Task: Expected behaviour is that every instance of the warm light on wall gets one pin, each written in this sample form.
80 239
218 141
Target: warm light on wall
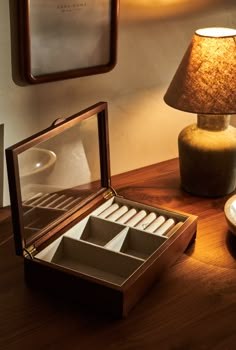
152 9
153 2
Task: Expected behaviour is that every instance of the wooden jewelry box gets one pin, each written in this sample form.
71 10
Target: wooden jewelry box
78 237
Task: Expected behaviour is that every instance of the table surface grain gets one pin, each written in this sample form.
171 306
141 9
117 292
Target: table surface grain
192 306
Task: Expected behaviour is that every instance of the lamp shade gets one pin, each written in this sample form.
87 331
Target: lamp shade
205 81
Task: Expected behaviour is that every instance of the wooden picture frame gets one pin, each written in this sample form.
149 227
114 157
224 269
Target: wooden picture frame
62 39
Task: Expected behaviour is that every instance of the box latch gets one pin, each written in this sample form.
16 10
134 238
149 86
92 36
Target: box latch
111 192
29 252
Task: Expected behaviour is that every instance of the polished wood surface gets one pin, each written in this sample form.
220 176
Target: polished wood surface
193 305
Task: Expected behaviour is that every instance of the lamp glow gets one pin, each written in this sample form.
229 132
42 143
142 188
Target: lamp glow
205 83
216 32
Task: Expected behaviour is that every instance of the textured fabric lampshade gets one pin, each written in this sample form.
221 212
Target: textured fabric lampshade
205 83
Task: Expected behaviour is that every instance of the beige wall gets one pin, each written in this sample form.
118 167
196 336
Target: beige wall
143 130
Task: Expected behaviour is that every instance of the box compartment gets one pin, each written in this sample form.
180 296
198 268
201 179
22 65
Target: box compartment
95 261
141 244
99 231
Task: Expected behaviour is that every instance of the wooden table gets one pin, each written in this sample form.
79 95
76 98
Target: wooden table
193 305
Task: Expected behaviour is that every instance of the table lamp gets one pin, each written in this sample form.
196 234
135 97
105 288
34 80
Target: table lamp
205 83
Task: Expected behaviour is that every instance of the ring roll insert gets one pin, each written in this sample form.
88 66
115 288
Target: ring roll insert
118 213
109 211
165 227
157 223
136 218
173 229
143 224
124 218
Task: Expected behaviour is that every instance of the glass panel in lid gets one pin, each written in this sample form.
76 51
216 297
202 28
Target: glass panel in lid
58 175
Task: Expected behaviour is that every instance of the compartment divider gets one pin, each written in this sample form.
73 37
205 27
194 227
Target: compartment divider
116 243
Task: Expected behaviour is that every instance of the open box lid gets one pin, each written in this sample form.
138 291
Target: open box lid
56 173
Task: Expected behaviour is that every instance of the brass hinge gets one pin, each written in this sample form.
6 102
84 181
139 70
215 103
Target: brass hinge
109 193
29 251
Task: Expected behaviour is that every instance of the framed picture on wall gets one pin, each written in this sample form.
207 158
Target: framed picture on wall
61 39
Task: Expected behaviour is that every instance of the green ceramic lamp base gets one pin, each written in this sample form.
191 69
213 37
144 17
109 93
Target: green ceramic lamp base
207 156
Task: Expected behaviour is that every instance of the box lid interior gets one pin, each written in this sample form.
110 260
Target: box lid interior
56 172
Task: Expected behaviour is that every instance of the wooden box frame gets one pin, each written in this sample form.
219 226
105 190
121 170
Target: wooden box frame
127 260
47 44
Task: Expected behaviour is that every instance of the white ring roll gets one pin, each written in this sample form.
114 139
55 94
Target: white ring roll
127 216
165 227
108 211
136 218
143 224
118 213
157 223
173 229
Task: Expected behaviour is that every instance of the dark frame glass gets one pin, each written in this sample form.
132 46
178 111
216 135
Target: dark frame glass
62 39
